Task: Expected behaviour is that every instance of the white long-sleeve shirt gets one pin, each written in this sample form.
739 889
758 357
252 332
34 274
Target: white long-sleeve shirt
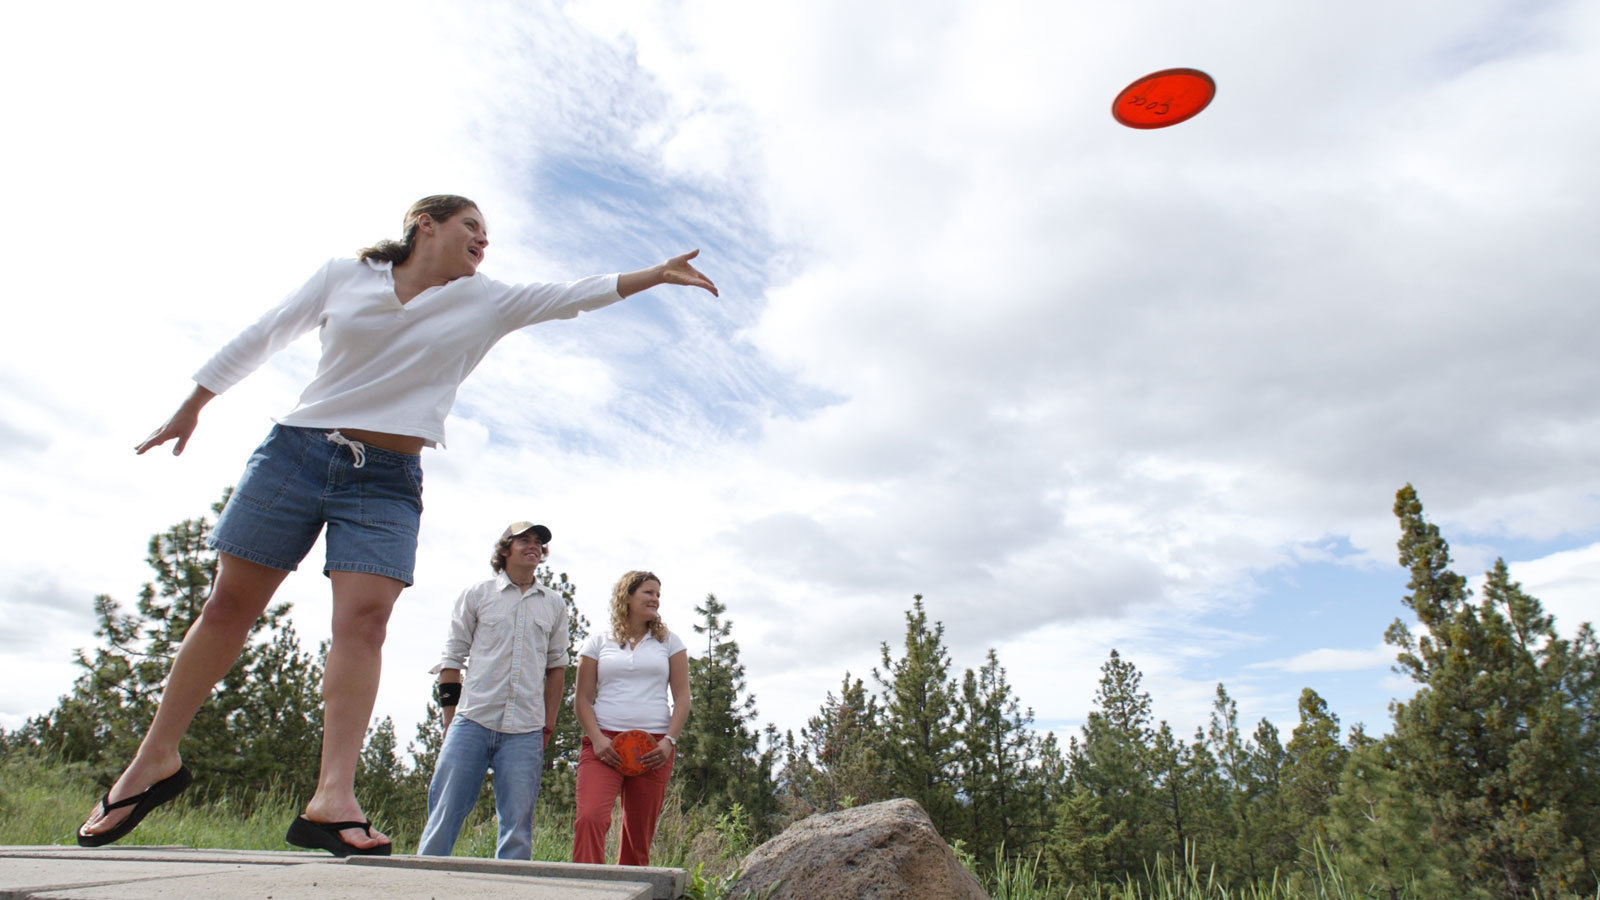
388 366
504 639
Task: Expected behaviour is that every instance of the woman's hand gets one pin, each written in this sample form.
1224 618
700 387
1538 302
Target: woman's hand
678 271
659 755
674 271
603 751
180 426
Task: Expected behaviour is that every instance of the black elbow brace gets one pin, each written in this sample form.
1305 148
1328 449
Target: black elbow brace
448 693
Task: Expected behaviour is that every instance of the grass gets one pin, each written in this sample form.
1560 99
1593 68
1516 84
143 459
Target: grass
43 802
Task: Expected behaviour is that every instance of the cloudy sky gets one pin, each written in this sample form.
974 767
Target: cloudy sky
1080 386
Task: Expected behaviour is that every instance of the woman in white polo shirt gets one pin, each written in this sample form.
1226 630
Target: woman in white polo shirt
401 327
624 677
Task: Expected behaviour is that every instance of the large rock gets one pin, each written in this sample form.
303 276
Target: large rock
884 851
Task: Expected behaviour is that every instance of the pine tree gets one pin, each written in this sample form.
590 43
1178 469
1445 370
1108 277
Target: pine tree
390 791
1269 813
559 789
720 762
1081 841
1114 764
996 761
1494 743
917 742
1176 781
1209 829
1314 760
1240 852
834 764
1257 842
1378 833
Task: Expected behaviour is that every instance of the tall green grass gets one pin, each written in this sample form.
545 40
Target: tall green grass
44 801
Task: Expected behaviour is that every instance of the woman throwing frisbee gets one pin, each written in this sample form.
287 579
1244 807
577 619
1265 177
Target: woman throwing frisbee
623 680
401 327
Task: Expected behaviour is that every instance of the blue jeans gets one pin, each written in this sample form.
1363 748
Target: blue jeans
469 750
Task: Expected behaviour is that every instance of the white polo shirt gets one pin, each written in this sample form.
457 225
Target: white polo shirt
632 683
390 366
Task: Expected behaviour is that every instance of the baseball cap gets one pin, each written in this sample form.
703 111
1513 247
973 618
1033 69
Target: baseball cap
516 529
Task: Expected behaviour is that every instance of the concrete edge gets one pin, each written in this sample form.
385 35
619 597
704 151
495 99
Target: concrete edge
176 853
664 883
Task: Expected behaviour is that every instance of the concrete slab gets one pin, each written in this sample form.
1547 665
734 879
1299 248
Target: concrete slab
38 875
665 883
65 872
343 882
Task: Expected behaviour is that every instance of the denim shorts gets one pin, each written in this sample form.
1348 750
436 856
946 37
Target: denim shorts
299 479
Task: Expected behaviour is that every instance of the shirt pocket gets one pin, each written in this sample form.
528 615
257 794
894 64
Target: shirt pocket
494 628
540 627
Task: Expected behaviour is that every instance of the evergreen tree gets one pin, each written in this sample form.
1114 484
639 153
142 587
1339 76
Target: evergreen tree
1378 834
1239 852
917 741
834 764
1209 823
390 791
996 760
1051 778
1257 843
720 762
1114 763
1494 743
559 789
1177 780
1081 841
1271 828
424 748
1314 760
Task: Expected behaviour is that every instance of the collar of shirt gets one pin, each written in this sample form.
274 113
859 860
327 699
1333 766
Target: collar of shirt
505 582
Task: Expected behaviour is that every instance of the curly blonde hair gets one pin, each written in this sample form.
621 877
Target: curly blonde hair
619 607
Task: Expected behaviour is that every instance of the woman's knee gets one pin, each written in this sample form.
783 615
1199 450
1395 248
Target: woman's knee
241 593
361 606
366 625
593 818
233 609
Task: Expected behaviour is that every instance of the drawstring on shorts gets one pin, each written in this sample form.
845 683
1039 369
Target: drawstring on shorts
358 450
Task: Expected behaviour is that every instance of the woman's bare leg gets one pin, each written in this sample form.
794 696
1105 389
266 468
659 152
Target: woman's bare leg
361 607
212 644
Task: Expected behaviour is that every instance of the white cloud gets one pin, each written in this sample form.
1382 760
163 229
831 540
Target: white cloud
1331 659
1567 584
1070 381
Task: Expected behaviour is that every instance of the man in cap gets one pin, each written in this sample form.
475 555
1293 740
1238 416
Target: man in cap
509 636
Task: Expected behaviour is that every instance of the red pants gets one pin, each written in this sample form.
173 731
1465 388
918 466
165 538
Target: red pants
642 796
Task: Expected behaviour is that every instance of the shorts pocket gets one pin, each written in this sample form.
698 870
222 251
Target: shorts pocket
271 470
392 497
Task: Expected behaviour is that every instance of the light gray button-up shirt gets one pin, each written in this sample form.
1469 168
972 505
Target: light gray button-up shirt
504 639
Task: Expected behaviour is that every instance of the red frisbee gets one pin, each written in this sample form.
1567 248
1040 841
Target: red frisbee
1164 98
631 746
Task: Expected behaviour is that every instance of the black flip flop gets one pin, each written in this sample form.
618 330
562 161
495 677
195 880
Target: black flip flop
325 836
142 803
